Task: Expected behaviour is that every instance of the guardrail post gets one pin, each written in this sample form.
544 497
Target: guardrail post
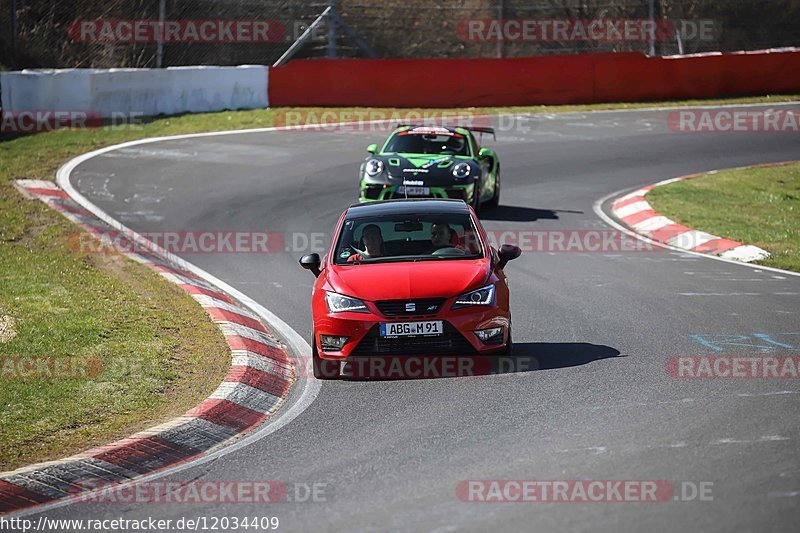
332 30
13 8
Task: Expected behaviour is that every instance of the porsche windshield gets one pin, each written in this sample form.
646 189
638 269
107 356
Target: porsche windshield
438 141
408 238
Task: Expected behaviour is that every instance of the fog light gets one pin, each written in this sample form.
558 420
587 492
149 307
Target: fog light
331 343
490 336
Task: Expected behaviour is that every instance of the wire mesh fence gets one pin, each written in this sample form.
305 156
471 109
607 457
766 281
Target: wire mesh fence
158 33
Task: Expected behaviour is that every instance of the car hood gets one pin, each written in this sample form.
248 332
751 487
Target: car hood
399 281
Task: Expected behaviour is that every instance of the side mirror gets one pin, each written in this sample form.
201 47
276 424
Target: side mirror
372 148
485 152
311 262
507 253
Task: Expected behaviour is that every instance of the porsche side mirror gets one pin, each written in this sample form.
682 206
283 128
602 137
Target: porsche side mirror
311 262
507 253
372 148
485 152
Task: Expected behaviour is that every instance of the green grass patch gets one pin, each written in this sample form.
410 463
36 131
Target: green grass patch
758 205
160 353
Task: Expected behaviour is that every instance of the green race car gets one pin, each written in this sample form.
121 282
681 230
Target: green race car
432 162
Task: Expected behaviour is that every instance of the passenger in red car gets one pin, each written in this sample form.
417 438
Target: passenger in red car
443 236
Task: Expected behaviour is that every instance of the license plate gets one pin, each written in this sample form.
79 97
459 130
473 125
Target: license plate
392 330
414 191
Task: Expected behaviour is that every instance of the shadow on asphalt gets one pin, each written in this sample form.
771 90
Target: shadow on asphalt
510 213
553 355
527 357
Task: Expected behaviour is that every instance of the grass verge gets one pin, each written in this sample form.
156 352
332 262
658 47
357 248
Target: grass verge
160 352
757 205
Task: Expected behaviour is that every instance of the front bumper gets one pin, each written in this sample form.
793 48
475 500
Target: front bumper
457 340
372 192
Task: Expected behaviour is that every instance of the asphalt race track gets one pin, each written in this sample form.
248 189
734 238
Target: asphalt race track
600 327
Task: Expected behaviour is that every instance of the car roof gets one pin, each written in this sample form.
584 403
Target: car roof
415 206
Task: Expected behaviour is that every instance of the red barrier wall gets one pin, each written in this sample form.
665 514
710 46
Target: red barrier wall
563 79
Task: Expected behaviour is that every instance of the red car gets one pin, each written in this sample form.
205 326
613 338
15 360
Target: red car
409 278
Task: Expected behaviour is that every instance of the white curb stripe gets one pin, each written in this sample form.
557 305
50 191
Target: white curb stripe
632 209
180 279
211 302
688 240
38 184
653 223
261 363
234 329
637 192
746 253
691 239
247 396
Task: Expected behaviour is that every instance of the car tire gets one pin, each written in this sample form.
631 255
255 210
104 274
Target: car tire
509 349
476 197
323 368
495 201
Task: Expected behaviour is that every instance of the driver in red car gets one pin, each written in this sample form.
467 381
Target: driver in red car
372 238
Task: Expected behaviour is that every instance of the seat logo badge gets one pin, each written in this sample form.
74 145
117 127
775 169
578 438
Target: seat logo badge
411 307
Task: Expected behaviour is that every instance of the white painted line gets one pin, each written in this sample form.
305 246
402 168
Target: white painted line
719 293
775 393
671 180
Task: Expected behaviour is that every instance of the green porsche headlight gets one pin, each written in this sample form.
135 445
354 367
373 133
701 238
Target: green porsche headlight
374 167
462 170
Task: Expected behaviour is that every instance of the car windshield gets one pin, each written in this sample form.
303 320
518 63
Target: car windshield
438 141
396 238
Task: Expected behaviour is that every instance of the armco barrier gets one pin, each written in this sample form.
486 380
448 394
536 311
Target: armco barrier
139 92
556 79
573 79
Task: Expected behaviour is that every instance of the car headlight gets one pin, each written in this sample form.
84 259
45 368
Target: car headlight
338 303
373 167
482 296
462 170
